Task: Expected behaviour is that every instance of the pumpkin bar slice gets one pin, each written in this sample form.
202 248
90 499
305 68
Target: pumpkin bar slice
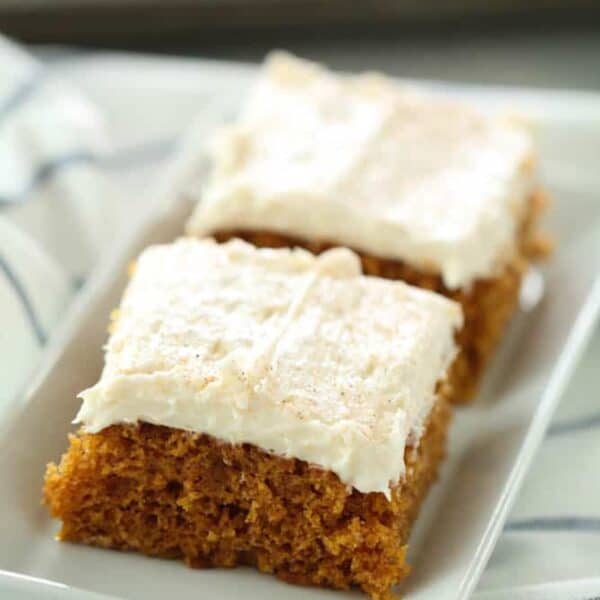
426 189
265 407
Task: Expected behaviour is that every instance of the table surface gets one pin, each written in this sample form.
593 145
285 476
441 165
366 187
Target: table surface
538 57
544 55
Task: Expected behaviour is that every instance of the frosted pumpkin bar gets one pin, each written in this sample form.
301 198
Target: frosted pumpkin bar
426 189
265 407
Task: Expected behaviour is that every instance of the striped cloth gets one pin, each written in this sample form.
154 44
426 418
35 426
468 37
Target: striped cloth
55 212
66 193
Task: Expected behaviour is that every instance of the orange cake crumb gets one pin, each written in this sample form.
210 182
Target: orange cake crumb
171 493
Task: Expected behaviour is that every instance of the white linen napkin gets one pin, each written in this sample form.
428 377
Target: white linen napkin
65 194
56 212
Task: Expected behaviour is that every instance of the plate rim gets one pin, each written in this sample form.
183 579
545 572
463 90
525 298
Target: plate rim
561 374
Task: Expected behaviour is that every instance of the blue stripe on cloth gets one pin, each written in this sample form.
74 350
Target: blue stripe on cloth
46 171
581 424
24 299
553 524
22 92
128 158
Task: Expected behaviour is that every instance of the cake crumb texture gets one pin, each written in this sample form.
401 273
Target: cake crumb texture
170 493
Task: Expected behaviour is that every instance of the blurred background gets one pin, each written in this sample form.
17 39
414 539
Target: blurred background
546 43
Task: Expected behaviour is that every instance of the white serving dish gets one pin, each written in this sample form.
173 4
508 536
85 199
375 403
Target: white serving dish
492 441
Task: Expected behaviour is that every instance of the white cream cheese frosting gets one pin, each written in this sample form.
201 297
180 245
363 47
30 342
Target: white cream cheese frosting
366 163
300 355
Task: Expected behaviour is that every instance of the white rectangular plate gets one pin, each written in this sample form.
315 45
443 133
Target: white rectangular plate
492 441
